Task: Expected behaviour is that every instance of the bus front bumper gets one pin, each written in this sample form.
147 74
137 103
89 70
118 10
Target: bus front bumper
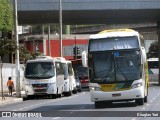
125 95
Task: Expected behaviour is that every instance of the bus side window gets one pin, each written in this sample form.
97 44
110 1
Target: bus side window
60 69
153 64
70 69
57 69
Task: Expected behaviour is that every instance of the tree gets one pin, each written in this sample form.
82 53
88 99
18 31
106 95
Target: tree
35 54
6 25
24 54
6 16
7 46
153 50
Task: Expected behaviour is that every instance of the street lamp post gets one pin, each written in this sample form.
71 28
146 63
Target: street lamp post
60 26
17 51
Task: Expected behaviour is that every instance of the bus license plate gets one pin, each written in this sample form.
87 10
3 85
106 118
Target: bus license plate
116 95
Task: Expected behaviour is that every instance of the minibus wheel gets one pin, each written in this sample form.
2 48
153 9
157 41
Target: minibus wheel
140 101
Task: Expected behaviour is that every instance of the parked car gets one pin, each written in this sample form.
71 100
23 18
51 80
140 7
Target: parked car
78 84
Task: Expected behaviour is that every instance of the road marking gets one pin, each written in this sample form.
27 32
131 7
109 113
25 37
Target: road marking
71 112
82 107
143 108
148 104
151 101
134 119
154 98
56 118
14 110
27 107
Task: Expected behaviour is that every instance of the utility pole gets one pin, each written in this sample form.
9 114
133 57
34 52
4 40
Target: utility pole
44 41
60 26
17 51
49 46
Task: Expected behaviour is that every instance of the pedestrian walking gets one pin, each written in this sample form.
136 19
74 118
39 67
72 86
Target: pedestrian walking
10 85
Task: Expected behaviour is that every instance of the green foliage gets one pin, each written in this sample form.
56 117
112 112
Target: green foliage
7 46
153 50
6 15
24 54
35 54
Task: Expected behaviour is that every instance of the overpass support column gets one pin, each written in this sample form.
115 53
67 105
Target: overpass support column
158 32
66 29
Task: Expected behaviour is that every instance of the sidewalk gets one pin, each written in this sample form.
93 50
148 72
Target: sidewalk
9 99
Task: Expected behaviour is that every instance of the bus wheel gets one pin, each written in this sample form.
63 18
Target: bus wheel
145 99
140 101
97 104
60 95
54 96
24 99
65 94
80 90
70 93
74 91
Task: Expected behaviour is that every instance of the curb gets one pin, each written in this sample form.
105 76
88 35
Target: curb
10 100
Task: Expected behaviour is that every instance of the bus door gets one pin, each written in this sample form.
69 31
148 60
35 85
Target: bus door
71 76
59 77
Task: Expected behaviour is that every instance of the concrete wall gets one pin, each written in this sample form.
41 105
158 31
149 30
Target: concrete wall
9 70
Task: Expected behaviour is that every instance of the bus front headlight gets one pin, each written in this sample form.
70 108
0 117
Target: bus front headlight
95 88
137 85
29 85
51 84
77 84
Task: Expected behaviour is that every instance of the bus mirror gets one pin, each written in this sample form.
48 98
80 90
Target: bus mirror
144 58
84 58
23 68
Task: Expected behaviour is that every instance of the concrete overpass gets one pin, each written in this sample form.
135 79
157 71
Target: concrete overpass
89 11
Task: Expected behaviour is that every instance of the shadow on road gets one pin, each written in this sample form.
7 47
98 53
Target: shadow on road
88 110
63 107
117 104
79 107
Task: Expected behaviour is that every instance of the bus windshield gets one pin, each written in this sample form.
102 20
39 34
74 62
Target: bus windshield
39 70
81 71
115 66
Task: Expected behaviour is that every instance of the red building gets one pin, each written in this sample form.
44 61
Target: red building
36 42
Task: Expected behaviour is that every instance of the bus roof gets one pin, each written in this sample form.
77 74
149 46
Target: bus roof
42 59
115 33
59 58
153 59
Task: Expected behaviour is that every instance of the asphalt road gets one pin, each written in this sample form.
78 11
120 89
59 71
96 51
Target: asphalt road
79 107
